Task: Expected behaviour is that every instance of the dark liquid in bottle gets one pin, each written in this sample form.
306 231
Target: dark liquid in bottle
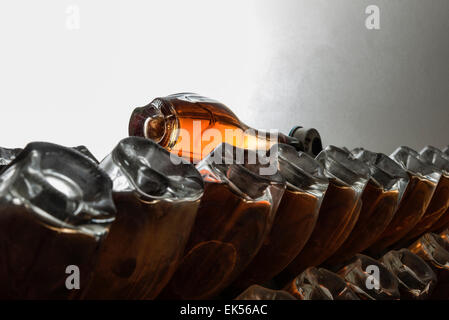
378 208
35 257
228 232
294 222
144 245
437 207
337 217
414 203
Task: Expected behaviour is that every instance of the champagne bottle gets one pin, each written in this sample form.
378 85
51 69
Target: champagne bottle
191 126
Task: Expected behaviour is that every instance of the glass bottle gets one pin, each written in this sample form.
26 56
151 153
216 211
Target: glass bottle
338 213
380 200
55 210
434 249
360 272
416 198
7 155
191 126
416 278
437 213
157 202
320 284
256 292
235 216
295 218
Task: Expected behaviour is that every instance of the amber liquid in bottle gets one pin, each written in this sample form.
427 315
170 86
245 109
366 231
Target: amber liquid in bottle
228 232
414 203
143 247
294 222
191 126
378 208
338 214
437 207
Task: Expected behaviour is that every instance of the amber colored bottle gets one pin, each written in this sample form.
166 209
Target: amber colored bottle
441 223
338 213
435 211
234 217
156 202
378 208
379 203
414 203
436 217
191 126
295 218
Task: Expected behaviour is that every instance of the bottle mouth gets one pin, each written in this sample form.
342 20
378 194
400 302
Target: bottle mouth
150 172
148 122
154 128
60 185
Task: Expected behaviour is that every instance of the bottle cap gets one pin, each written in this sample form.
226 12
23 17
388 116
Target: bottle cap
309 138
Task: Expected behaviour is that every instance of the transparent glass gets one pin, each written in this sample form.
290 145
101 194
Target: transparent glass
338 213
295 218
7 155
191 126
55 211
157 202
235 216
434 249
320 283
356 273
416 198
436 216
416 278
380 200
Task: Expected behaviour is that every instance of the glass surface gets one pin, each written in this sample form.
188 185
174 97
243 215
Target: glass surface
338 213
356 273
436 216
416 198
235 216
295 218
7 155
416 279
380 199
157 202
320 284
55 211
191 126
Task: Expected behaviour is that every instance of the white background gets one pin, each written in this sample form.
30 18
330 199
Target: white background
274 63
